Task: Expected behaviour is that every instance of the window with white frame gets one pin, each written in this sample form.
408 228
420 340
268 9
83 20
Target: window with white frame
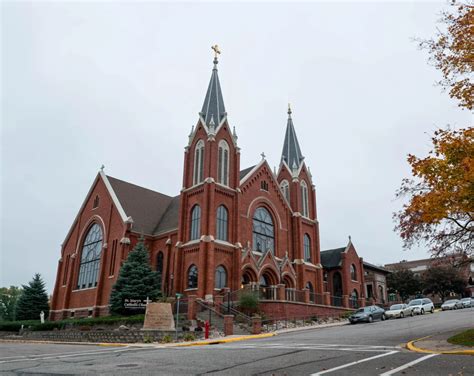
223 163
304 199
221 223
198 175
90 258
285 188
195 232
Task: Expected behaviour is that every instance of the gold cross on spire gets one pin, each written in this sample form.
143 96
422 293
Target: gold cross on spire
217 51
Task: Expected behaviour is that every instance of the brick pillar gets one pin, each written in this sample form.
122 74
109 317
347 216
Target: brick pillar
218 300
256 325
345 301
327 298
228 325
281 292
307 297
362 302
192 307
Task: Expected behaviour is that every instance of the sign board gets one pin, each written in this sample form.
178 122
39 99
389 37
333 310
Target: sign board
159 316
134 305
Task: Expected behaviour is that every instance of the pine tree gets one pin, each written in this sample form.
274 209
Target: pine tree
136 280
33 300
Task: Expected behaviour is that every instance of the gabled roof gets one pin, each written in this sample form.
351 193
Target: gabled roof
147 208
213 107
169 221
245 171
291 153
368 265
331 258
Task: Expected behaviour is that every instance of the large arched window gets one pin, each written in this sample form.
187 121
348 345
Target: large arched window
193 277
159 269
263 231
90 258
220 280
307 248
285 188
353 272
304 199
223 163
195 232
198 175
221 223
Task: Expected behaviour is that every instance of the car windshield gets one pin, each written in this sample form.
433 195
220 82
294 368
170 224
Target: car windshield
362 310
415 302
396 306
465 299
450 301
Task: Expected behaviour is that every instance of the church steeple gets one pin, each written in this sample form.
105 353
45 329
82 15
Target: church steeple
213 109
291 153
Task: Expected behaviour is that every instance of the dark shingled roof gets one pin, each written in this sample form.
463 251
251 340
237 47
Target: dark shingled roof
146 207
169 221
291 152
246 171
213 107
331 258
368 265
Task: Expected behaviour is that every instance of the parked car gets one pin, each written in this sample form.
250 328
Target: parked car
367 314
452 304
421 305
467 302
399 310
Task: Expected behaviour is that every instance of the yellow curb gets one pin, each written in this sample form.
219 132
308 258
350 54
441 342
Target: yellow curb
411 346
225 340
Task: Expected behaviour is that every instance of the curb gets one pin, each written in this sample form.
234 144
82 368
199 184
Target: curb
411 346
228 340
313 327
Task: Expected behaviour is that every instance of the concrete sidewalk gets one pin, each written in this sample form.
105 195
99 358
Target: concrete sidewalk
438 344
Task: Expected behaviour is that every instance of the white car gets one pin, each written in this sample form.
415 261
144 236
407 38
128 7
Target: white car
451 304
467 302
399 310
421 306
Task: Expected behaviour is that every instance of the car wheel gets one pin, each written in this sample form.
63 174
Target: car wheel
432 310
383 317
422 311
370 319
402 315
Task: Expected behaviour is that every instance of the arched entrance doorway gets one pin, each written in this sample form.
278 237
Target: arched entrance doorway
354 299
290 291
337 289
267 288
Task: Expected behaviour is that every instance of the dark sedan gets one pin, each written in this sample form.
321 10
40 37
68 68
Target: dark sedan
367 314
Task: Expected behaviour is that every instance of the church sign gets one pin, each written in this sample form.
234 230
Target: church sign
135 305
159 316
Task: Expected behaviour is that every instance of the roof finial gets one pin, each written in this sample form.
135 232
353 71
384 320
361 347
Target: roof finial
217 51
289 110
350 239
263 155
102 168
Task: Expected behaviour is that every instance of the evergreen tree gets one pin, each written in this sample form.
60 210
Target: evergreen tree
136 280
33 300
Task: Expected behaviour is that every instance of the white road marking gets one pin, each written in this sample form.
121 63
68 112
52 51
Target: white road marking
67 355
407 365
50 354
354 363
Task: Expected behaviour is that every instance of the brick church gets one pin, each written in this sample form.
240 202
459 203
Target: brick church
229 227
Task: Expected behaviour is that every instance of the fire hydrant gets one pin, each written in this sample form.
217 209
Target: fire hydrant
206 330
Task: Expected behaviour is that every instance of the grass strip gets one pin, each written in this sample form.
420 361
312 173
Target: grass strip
465 338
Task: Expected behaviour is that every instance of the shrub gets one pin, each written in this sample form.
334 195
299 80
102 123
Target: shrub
248 302
147 338
189 337
167 339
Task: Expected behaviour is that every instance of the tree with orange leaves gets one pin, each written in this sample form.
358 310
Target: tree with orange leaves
440 211
452 52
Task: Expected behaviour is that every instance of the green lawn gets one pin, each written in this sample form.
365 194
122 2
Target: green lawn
465 338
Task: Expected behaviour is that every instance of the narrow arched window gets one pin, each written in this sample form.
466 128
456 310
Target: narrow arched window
223 163
221 223
90 258
263 231
159 269
195 232
307 248
193 277
353 272
285 188
198 175
304 199
220 280
309 286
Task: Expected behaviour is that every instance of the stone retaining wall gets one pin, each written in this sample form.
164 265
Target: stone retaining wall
283 309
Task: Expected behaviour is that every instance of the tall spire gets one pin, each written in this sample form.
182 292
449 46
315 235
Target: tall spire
291 153
213 107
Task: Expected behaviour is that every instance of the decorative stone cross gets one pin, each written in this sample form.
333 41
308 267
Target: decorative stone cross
216 49
263 155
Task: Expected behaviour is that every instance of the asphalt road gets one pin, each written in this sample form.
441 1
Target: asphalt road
362 349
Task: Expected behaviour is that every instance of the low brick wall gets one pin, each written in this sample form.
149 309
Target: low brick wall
276 309
105 336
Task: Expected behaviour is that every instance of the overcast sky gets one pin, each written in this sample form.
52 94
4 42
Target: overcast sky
86 84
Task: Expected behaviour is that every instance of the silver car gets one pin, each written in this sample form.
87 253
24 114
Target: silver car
421 305
467 302
451 304
399 310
